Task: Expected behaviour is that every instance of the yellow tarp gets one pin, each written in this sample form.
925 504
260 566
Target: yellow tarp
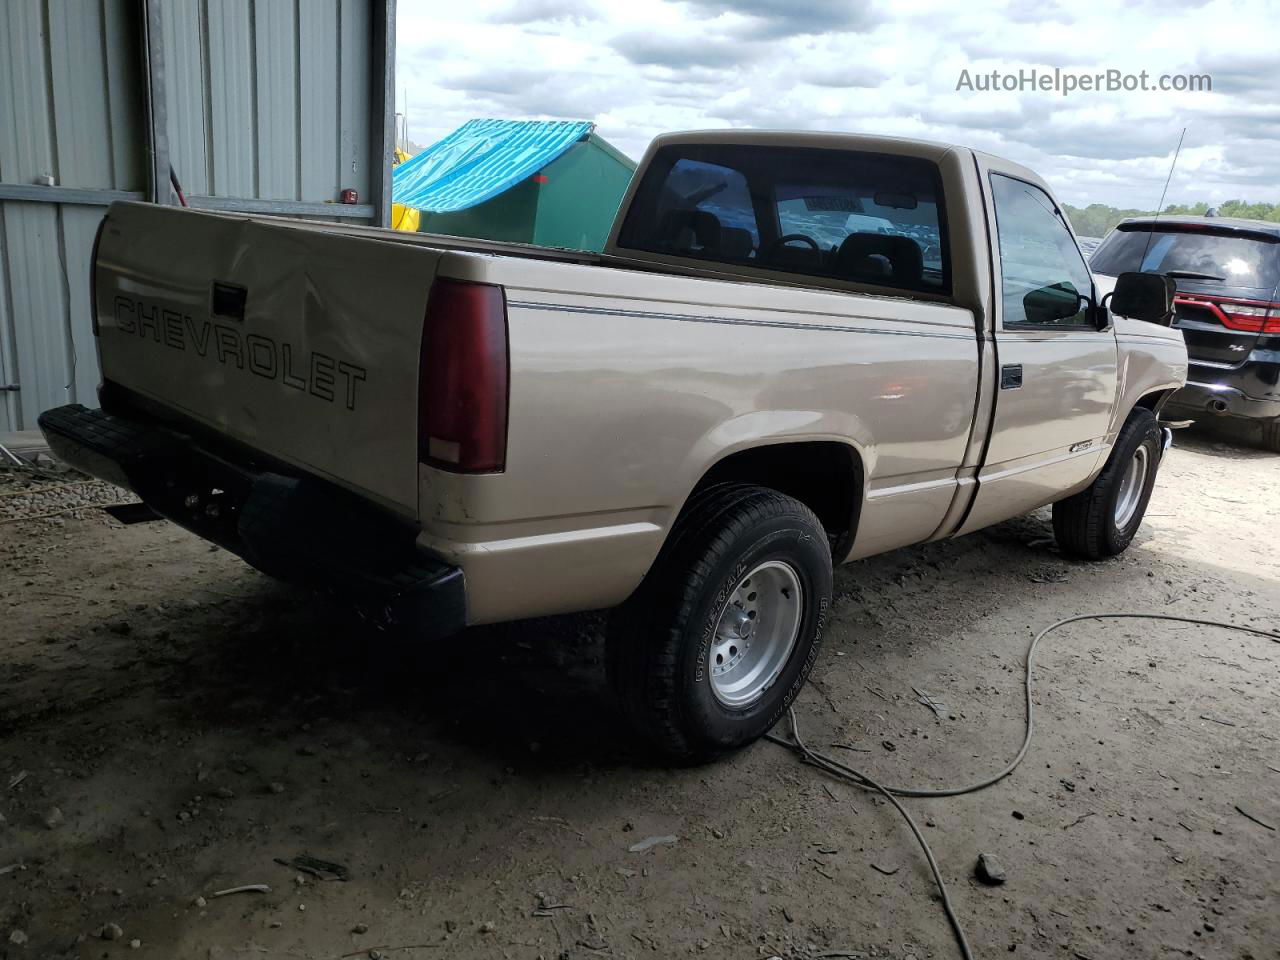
405 218
402 217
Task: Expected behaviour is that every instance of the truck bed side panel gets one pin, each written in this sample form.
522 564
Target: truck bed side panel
626 388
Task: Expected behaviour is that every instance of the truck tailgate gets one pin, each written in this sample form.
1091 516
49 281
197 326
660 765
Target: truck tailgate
302 343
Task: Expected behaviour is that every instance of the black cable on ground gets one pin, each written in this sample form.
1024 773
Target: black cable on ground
841 770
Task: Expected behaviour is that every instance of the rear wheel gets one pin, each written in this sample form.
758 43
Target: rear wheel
1102 519
1271 435
713 647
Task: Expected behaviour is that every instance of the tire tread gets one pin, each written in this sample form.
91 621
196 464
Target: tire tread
644 649
1082 523
1271 435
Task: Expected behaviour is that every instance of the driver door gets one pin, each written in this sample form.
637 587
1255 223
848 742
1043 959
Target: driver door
1056 372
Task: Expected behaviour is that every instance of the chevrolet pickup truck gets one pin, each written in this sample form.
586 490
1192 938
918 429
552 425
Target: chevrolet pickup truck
796 351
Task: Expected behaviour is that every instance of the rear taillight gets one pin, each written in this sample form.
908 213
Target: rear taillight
1248 316
1252 317
462 378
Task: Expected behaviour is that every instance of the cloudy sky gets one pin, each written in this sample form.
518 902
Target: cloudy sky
643 67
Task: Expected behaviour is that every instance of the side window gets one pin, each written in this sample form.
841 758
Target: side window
1045 280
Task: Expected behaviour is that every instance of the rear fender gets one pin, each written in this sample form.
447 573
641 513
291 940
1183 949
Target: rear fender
765 427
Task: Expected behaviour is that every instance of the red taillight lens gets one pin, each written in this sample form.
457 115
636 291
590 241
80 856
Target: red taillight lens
462 378
1241 316
1253 318
1247 316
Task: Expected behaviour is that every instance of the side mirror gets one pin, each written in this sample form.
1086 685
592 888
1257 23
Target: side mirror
1143 296
1052 304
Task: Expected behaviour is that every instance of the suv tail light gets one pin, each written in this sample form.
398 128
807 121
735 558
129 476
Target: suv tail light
462 378
1249 316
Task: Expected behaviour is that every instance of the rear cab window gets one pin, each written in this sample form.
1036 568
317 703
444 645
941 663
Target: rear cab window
846 215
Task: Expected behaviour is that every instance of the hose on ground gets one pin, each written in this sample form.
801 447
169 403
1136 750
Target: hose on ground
843 771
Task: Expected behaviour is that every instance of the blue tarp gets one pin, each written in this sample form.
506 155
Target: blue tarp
479 160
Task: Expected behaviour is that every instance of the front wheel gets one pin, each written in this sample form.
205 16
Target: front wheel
718 640
1101 520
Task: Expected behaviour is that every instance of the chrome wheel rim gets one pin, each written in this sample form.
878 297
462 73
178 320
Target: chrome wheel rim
1131 486
755 634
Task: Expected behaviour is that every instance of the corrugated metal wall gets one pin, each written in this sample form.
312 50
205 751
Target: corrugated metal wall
69 85
286 115
270 105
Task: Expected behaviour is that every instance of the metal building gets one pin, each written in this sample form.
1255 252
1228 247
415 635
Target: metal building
266 106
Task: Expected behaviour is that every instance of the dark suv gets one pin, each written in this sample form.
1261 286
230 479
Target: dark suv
1228 275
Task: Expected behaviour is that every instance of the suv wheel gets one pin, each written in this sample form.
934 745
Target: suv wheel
713 647
1101 520
1271 435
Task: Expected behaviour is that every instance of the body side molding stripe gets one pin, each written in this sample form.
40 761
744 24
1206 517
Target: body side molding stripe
729 321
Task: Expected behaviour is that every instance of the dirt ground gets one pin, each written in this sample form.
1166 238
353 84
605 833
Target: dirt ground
172 723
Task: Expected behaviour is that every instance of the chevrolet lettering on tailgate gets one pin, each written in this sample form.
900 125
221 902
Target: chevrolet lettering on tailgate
313 372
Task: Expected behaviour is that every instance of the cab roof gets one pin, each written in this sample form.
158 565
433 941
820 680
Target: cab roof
870 143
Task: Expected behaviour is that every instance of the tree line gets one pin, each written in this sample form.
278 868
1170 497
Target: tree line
1097 218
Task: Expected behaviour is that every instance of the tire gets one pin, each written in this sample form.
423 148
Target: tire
1271 435
1101 520
663 640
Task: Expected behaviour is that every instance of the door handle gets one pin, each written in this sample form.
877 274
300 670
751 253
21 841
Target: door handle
1011 376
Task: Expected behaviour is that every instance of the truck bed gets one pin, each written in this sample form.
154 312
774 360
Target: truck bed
528 251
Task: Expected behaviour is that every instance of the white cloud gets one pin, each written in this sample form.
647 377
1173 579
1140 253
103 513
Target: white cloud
649 66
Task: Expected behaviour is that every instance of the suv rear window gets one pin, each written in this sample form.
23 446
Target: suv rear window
1196 254
864 217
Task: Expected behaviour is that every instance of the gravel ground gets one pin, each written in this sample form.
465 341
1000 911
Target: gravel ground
173 724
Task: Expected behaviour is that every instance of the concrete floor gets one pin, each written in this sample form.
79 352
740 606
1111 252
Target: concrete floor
172 722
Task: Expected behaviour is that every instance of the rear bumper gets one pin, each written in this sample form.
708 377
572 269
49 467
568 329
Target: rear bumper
297 528
1222 400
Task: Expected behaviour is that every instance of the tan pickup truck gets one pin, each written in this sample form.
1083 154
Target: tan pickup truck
797 350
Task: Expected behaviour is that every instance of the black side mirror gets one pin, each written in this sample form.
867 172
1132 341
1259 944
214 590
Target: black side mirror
1143 296
1052 304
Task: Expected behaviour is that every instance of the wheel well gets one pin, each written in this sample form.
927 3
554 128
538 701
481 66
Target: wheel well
1154 401
824 475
